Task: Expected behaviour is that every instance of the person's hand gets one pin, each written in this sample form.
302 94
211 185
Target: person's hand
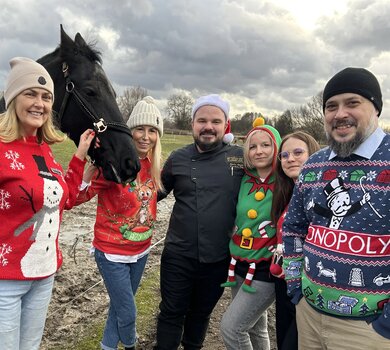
84 144
366 198
89 172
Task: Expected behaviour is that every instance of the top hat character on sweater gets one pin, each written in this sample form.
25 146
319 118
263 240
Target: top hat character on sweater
254 238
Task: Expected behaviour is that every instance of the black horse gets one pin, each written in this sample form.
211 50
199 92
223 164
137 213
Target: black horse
84 98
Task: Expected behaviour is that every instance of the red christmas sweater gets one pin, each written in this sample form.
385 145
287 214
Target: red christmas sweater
276 267
33 194
125 215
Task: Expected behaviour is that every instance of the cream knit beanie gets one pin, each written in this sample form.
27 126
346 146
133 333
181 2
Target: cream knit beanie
26 74
145 112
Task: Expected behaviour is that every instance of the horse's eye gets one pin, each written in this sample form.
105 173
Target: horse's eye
90 92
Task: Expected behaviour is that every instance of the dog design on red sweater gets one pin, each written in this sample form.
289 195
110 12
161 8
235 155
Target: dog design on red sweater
144 193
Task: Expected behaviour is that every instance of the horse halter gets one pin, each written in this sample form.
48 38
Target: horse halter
99 124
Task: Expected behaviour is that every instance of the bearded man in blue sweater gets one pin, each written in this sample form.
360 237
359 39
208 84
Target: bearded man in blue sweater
336 232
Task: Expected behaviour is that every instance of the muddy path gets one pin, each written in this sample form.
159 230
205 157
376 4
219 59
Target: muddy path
79 297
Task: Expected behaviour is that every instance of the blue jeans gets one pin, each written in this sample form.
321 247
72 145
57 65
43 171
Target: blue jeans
244 323
23 309
121 281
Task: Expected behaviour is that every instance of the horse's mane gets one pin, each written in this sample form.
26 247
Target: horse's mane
89 51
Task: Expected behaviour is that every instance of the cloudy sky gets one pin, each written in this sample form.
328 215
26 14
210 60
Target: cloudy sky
263 56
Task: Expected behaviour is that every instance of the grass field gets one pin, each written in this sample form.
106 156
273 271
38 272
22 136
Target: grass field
147 300
64 151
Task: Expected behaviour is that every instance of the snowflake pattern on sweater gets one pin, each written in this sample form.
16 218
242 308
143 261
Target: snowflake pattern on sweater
336 236
33 194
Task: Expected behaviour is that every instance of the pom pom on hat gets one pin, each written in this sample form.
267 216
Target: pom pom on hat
146 112
357 81
26 74
211 100
228 137
259 124
259 121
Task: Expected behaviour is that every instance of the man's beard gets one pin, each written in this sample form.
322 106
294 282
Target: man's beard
206 146
345 149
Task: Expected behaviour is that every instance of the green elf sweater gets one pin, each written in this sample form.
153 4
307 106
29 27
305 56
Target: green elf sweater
254 238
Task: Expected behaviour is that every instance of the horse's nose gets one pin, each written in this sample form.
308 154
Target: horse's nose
130 168
132 164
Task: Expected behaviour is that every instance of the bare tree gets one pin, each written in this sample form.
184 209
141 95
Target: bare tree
284 123
129 99
310 118
243 124
179 107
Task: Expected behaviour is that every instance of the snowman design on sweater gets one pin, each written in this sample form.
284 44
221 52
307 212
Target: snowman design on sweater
40 259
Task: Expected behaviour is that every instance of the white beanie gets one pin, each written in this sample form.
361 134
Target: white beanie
211 100
145 112
26 74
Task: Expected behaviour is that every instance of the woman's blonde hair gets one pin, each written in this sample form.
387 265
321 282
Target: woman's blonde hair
10 127
155 160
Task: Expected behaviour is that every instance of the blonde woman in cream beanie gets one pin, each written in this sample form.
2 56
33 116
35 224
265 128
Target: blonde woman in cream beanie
144 120
34 191
124 224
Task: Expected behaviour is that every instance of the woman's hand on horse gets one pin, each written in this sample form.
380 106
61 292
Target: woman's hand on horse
89 172
85 141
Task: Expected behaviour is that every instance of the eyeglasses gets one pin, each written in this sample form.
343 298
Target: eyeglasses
297 153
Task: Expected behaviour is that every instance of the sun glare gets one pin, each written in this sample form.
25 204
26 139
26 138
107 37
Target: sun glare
307 12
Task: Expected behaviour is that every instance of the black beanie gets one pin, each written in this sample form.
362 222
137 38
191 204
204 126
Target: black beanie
357 81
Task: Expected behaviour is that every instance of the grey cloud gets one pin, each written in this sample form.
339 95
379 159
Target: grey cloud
246 49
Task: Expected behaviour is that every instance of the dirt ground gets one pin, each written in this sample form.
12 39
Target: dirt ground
79 297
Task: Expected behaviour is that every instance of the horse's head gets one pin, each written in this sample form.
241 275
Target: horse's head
84 98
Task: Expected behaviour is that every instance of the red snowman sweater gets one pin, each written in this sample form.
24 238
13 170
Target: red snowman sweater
125 215
33 194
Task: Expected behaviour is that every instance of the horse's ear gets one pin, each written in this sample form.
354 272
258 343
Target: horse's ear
66 41
2 105
80 42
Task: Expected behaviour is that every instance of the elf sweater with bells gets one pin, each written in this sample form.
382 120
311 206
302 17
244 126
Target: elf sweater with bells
254 238
125 215
254 241
33 194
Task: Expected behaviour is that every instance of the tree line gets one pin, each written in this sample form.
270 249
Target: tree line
307 117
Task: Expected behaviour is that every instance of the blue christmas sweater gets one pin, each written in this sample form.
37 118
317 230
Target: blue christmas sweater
336 234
